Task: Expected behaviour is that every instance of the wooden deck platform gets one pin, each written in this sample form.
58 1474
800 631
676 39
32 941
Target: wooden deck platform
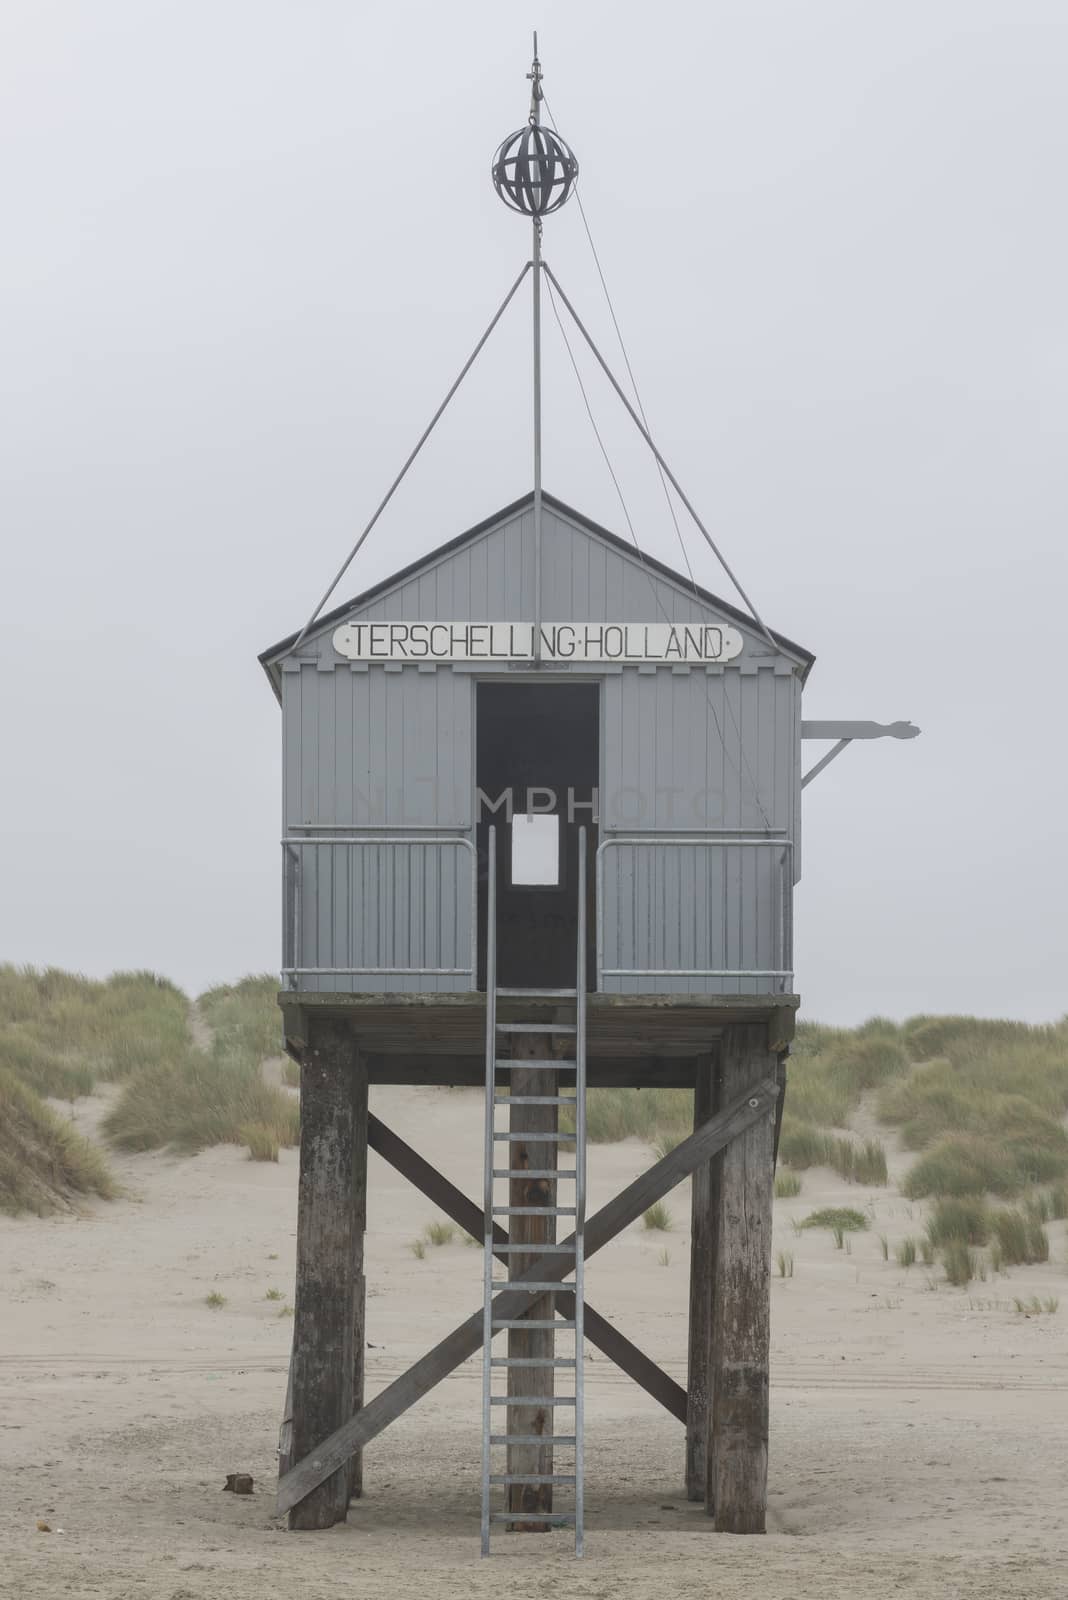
632 1040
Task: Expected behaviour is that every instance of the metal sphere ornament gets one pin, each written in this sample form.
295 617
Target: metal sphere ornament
534 171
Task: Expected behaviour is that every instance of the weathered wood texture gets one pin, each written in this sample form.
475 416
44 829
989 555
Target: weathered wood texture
462 1342
323 1360
359 1285
702 1255
644 1028
535 1344
737 1488
599 1331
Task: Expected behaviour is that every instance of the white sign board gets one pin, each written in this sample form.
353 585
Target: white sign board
676 643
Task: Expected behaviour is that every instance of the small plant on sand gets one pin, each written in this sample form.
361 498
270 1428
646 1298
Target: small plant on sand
961 1264
215 1300
1035 1307
286 1311
262 1141
664 1258
906 1253
841 1219
785 1263
439 1233
418 1249
884 1246
273 1294
787 1184
927 1252
657 1219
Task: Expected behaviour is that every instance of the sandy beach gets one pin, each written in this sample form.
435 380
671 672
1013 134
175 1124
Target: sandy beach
919 1432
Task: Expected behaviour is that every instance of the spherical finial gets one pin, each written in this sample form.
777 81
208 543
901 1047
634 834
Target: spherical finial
534 171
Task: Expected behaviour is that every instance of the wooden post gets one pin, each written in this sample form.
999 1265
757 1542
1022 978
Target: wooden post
323 1362
702 1257
359 1228
737 1490
538 1343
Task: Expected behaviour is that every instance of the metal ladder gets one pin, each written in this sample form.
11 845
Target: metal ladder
570 1252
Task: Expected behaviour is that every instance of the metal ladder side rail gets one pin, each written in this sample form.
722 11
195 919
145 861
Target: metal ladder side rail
580 1192
487 1186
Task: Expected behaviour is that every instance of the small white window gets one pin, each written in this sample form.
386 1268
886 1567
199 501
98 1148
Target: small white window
535 849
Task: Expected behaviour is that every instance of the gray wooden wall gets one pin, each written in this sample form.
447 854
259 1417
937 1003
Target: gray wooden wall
385 752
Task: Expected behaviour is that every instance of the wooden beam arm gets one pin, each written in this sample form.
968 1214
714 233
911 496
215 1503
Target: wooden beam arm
627 1206
469 1216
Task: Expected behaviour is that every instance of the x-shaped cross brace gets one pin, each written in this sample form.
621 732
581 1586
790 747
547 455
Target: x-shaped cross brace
514 1300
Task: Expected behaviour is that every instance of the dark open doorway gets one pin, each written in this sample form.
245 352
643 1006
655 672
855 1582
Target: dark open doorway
538 742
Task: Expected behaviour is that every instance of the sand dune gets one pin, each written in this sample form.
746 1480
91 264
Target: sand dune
919 1435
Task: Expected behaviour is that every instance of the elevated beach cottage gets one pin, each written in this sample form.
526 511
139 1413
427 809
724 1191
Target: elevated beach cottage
541 830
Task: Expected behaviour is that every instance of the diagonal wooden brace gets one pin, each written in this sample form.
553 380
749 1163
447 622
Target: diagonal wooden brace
455 1204
627 1206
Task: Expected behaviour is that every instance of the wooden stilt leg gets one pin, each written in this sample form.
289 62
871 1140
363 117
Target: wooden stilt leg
323 1317
741 1304
702 1253
537 1343
359 1225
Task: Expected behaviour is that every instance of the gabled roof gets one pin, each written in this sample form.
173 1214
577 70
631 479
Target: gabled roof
270 657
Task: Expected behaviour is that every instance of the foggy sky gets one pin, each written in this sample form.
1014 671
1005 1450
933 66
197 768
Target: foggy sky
247 246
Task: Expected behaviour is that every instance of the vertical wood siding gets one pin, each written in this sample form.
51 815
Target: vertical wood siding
684 751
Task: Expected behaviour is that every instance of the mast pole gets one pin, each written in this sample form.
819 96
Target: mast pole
535 120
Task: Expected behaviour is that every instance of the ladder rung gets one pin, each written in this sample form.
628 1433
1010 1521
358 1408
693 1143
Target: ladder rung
508 1062
534 1211
532 1361
532 1250
532 1477
527 1322
566 1173
539 994
534 1100
532 1438
537 1138
536 1027
558 1519
537 1288
532 1399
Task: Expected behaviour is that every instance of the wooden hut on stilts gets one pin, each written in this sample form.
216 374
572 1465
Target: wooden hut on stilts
541 832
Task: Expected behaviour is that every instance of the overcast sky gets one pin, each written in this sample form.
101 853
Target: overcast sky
247 247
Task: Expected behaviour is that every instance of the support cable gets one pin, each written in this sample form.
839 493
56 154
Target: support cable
626 361
664 484
647 436
428 430
748 774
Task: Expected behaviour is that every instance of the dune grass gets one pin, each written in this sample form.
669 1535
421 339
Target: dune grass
200 1100
957 1220
44 1162
845 1219
660 1117
1022 1239
787 1184
245 1017
984 1105
657 1219
803 1145
962 1264
439 1233
196 1098
61 1033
